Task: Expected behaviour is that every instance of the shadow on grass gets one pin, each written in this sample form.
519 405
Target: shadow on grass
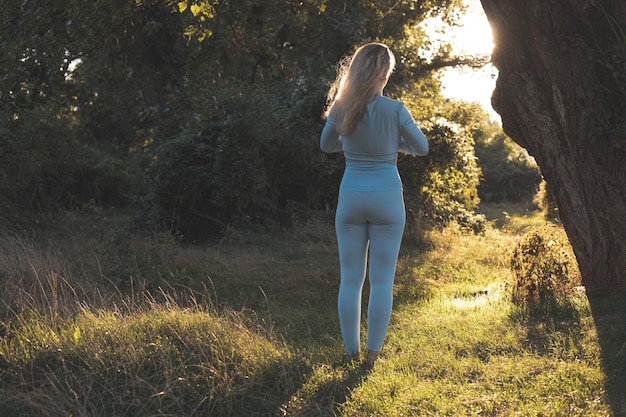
328 386
545 320
325 390
609 314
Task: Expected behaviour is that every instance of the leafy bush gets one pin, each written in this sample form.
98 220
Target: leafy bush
508 172
255 158
43 167
543 266
198 187
545 201
442 186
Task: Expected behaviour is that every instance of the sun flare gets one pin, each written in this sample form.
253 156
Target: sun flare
472 37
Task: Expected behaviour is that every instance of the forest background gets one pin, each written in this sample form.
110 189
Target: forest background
166 221
205 118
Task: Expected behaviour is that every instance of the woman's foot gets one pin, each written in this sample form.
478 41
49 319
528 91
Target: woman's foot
371 357
354 357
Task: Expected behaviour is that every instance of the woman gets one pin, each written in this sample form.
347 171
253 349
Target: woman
370 129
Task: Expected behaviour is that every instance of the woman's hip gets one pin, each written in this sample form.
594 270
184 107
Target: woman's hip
386 179
374 207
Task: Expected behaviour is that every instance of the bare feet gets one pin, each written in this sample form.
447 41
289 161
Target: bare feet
371 357
355 357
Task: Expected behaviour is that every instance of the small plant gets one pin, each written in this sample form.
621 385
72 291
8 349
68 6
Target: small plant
543 268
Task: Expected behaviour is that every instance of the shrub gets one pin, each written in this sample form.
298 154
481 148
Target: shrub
508 172
191 194
249 163
543 266
254 159
44 167
442 186
545 201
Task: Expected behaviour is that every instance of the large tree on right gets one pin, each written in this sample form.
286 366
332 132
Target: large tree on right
561 93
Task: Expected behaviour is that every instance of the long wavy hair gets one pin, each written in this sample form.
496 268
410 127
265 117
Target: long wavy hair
359 78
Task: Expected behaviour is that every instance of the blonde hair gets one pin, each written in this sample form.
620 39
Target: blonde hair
359 79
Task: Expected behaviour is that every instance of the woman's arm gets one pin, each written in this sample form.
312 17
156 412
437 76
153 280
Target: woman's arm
413 140
330 141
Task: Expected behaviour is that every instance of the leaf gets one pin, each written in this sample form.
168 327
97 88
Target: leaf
207 33
189 31
195 9
182 6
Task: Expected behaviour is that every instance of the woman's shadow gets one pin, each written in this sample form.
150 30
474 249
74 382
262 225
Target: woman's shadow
326 389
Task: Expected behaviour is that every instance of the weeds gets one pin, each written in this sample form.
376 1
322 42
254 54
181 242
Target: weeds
544 268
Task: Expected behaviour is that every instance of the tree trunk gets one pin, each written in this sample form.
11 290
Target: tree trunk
561 93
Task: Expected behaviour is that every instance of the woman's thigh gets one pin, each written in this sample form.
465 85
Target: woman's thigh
385 231
352 235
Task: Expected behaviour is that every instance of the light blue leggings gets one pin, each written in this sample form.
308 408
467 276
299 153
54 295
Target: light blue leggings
368 217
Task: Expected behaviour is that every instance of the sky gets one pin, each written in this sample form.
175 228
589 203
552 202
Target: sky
472 38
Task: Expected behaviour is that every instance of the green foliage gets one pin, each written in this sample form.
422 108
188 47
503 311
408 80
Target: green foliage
508 172
442 187
544 268
201 184
253 166
546 202
244 170
111 67
42 167
76 98
227 127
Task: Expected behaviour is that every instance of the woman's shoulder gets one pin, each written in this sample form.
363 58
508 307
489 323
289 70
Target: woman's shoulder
387 104
387 101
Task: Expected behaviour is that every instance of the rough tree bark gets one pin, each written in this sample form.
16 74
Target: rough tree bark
561 93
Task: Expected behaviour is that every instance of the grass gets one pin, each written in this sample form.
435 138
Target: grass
96 321
170 361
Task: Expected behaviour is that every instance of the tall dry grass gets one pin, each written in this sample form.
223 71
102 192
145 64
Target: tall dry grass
107 323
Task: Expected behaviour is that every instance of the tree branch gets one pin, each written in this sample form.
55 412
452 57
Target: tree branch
472 61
